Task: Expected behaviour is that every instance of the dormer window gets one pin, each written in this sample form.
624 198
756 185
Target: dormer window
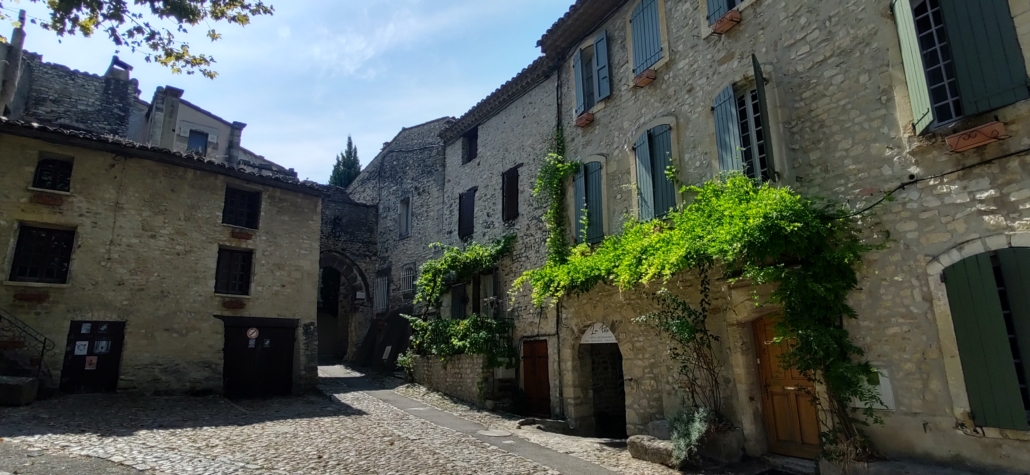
197 142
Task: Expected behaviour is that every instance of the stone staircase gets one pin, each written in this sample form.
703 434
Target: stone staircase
23 352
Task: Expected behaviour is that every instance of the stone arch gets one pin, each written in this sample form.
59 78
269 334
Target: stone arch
602 381
354 316
946 328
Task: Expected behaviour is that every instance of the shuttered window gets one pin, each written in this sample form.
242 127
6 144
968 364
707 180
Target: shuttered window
591 74
656 193
961 58
602 75
459 299
718 8
382 295
510 194
647 36
988 295
466 213
742 132
53 174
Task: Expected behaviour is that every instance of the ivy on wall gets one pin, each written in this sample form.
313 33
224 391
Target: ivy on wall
457 265
550 188
476 335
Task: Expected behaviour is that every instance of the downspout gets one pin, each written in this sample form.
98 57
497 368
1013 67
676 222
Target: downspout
13 70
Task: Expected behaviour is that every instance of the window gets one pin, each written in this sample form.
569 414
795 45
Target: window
408 275
466 213
53 174
489 296
961 58
382 295
647 36
232 276
589 209
989 295
656 193
459 300
590 68
510 194
42 255
404 223
197 142
718 8
470 145
242 208
742 132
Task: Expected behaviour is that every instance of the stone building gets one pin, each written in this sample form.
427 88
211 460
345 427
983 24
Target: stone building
841 100
155 271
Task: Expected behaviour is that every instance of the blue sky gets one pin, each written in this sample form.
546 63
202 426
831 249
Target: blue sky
321 69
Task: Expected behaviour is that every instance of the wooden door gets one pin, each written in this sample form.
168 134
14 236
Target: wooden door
535 379
92 357
791 419
258 367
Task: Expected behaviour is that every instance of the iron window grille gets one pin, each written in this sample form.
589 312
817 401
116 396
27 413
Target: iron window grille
753 137
53 174
232 276
42 255
382 295
408 279
242 208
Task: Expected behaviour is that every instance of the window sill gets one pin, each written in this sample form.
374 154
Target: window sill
994 433
55 192
707 30
38 285
241 228
231 296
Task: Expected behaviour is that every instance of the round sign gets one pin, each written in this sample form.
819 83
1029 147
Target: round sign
252 333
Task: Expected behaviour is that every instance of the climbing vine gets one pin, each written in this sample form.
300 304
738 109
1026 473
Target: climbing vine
763 234
457 265
476 335
550 189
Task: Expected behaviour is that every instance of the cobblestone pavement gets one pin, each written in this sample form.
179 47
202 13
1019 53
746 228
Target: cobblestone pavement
16 459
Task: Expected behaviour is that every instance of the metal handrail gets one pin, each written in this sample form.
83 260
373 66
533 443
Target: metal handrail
18 327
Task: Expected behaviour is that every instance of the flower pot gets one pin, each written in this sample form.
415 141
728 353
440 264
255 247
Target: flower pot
645 78
729 20
976 137
584 119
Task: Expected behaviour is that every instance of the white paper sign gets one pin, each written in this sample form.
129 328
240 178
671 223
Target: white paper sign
598 333
81 348
386 354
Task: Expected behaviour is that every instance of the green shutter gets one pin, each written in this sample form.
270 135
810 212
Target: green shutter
645 181
983 345
727 131
661 157
1015 269
716 9
594 203
915 74
579 203
647 36
988 61
577 68
763 107
602 76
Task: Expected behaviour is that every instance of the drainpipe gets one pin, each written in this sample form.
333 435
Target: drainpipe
13 69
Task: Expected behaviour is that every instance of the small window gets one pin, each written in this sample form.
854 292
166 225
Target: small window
590 68
53 174
510 194
382 295
742 130
459 302
470 143
718 8
197 142
647 36
752 137
42 255
589 208
242 208
466 214
232 276
408 279
656 193
404 218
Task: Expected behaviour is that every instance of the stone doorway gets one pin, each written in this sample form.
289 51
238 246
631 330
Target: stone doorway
333 318
608 387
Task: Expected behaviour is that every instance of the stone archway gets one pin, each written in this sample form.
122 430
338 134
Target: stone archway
352 315
600 360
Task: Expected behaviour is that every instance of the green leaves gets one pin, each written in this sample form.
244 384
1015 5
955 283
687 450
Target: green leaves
458 265
347 166
475 335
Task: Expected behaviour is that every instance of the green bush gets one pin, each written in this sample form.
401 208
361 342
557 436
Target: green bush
689 427
475 335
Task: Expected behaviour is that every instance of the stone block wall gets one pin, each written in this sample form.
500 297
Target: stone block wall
459 376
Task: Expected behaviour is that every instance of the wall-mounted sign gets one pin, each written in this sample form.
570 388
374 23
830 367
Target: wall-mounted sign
597 334
252 343
81 348
252 333
87 327
101 347
91 363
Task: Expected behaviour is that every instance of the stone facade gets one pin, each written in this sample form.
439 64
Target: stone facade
148 229
461 376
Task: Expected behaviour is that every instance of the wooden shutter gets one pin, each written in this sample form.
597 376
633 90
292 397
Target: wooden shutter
763 107
577 69
594 203
983 345
716 9
727 131
915 73
988 60
661 156
1015 269
579 204
647 36
466 213
602 76
645 181
510 194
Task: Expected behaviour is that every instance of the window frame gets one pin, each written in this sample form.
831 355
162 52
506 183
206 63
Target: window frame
467 225
663 40
409 273
754 123
509 215
674 160
381 298
53 159
18 256
224 282
229 219
189 140
404 216
470 145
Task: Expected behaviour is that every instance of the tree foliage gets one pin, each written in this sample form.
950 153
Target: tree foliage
457 265
347 166
150 26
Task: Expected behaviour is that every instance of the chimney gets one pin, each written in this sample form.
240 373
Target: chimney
118 69
235 139
9 83
172 95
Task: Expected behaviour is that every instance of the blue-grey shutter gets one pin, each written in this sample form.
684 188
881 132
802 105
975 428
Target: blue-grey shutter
647 36
763 107
716 9
1015 269
602 77
661 156
595 205
577 68
988 60
983 345
645 181
579 203
727 131
912 58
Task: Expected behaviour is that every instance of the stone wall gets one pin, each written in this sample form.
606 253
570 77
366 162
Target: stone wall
459 376
146 245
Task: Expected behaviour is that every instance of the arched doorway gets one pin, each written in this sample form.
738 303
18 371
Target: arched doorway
344 312
599 351
332 332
